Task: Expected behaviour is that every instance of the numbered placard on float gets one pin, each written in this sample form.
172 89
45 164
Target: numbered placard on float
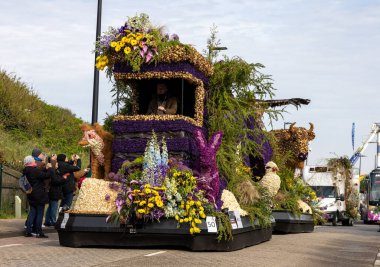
238 219
211 224
66 217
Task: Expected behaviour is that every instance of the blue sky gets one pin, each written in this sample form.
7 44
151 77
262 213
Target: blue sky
327 51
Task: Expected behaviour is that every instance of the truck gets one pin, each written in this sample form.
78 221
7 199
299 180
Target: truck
330 191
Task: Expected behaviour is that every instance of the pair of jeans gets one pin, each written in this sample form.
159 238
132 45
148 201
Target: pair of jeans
35 216
67 200
51 213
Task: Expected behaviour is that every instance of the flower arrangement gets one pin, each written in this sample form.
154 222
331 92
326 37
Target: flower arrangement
137 42
154 186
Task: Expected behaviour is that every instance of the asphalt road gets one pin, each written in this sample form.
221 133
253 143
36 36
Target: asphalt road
326 246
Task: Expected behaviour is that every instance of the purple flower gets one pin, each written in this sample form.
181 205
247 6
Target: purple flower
107 197
119 204
111 175
174 37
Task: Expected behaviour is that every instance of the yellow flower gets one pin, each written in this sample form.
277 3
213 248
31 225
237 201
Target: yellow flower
150 205
157 198
181 221
198 221
139 35
147 185
186 220
117 48
190 218
197 230
159 204
187 207
199 203
98 58
142 203
191 231
177 217
201 208
142 211
133 42
148 191
113 44
191 203
193 224
124 39
202 215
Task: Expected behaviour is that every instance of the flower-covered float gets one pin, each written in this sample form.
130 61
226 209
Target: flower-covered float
294 210
180 179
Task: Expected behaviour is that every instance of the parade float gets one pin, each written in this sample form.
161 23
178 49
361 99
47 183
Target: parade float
188 178
293 208
182 179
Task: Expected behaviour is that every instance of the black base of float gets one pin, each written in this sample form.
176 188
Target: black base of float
89 230
287 222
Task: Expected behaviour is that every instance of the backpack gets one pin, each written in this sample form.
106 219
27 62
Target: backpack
25 185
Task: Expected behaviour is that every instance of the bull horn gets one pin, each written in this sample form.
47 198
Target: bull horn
311 129
291 127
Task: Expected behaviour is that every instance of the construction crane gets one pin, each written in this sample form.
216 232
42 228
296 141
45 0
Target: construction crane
375 130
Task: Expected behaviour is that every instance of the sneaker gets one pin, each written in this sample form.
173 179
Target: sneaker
34 234
28 235
42 236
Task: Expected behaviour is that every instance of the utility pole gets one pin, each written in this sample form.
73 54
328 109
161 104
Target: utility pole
95 94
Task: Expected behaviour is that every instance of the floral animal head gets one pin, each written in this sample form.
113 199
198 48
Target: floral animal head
294 142
93 140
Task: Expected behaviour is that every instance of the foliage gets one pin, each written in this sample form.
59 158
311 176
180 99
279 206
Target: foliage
259 209
292 189
342 166
135 43
234 87
224 226
29 122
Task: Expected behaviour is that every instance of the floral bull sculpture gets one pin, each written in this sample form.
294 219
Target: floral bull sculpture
293 144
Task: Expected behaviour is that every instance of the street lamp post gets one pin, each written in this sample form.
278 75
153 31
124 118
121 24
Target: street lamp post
214 48
95 94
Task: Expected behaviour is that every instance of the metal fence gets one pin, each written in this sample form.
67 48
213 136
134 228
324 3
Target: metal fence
9 188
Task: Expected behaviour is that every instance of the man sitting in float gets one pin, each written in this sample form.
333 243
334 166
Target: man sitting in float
162 103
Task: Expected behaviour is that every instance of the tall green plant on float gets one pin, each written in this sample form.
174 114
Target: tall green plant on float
343 167
234 88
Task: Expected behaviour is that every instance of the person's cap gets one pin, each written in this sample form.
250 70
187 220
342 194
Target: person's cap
61 157
36 152
28 160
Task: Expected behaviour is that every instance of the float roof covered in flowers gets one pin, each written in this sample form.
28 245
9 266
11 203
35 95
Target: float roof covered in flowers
137 47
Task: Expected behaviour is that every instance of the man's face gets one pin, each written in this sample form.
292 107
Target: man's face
41 156
161 89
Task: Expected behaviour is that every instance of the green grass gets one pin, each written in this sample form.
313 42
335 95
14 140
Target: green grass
27 122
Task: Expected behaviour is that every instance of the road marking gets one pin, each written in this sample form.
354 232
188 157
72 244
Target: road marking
10 245
153 254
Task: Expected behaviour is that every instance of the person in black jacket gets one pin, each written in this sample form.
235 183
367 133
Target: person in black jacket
55 194
68 188
39 196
